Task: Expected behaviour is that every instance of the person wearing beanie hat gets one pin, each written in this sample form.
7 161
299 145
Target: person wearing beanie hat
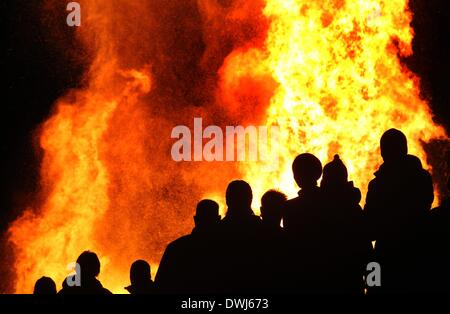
345 225
334 172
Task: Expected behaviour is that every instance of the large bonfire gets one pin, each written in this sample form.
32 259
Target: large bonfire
327 73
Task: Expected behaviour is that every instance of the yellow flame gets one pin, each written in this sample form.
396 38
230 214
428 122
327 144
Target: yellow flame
340 85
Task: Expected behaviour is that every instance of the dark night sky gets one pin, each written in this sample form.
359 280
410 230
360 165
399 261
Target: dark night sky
36 72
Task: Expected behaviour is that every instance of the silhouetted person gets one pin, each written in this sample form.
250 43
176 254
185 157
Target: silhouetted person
307 170
189 264
140 278
241 247
89 268
272 204
439 244
304 220
272 240
45 286
346 227
397 204
239 198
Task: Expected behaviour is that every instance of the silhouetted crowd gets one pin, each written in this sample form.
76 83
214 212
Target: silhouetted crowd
319 242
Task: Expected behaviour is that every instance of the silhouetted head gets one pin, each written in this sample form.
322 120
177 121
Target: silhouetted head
272 203
393 145
239 197
45 285
206 213
307 170
334 173
140 273
89 265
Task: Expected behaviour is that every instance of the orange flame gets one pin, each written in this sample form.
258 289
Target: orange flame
97 168
327 72
340 85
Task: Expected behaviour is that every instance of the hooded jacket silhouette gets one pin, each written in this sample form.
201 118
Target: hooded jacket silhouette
397 205
346 226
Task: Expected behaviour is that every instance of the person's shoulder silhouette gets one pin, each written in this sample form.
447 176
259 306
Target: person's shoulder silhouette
44 286
140 278
441 214
188 264
87 270
439 241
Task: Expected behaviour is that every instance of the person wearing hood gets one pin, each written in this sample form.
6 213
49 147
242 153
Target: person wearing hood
398 201
346 226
